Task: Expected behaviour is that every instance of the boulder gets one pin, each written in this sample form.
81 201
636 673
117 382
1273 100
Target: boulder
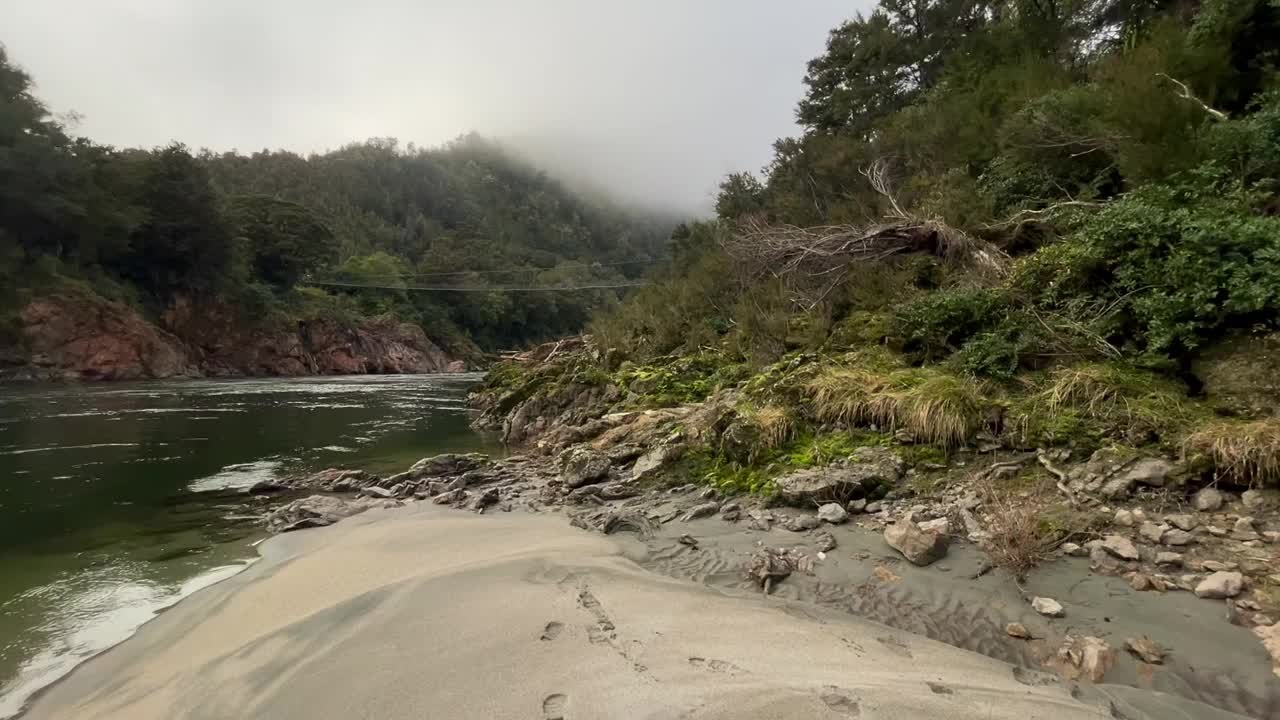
377 492
582 466
448 464
1048 607
1120 546
824 542
868 470
921 547
1112 473
312 511
833 513
1177 538
1207 500
1146 650
857 506
1220 585
1147 471
1184 521
1169 558
706 509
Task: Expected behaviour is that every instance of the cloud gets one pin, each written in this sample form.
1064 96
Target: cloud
656 100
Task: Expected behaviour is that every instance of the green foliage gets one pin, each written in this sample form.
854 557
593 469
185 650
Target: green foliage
680 379
937 324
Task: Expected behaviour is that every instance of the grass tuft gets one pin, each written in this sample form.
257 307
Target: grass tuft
1247 453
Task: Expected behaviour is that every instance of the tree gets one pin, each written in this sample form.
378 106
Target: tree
285 239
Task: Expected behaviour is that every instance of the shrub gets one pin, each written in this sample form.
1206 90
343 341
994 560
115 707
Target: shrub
937 324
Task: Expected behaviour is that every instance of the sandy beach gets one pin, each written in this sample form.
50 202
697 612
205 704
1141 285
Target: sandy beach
422 612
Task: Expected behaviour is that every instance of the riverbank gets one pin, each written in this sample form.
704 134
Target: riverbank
420 612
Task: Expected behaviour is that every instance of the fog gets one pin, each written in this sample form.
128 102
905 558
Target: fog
654 100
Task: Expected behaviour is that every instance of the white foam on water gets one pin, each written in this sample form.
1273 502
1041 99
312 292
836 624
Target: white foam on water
239 476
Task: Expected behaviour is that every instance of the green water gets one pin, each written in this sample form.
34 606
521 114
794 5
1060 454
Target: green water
117 500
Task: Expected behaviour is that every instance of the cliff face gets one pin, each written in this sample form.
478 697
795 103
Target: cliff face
89 338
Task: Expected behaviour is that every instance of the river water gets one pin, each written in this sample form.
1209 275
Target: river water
117 500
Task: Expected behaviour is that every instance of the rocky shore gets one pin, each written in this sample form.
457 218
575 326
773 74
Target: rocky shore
1156 585
81 337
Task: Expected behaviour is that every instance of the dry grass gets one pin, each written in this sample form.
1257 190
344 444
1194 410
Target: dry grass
777 425
1013 526
1247 453
938 408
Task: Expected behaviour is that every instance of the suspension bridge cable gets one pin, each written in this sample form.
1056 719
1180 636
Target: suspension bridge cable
481 288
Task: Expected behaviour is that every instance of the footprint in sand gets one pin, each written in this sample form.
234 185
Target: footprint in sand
840 700
553 707
552 630
898 646
716 666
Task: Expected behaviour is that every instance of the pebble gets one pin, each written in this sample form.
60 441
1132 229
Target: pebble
1177 538
1048 607
1017 630
1183 522
1146 650
1152 532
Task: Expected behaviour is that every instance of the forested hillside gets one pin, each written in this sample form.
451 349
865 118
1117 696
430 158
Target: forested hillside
1006 224
240 236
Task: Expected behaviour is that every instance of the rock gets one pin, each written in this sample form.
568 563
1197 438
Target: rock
731 515
1215 531
267 487
1270 637
1017 630
450 497
313 511
1177 538
1239 372
688 540
833 513
1124 518
730 507
377 492
918 546
1169 558
1085 657
1152 532
484 500
654 460
1184 521
1216 566
938 525
874 507
700 511
1142 582
857 506
1220 585
1146 650
708 493
1048 607
1207 500
582 466
448 465
770 566
801 523
1254 499
1121 547
1148 471
1245 525
1271 536
824 542
869 469
1073 550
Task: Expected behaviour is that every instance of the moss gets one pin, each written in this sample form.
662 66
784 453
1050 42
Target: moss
679 380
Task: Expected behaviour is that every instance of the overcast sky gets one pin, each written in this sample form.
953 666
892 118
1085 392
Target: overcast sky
656 98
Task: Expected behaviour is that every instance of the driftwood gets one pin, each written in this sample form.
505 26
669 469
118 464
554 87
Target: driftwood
547 351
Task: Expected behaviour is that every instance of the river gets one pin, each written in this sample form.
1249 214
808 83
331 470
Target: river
117 500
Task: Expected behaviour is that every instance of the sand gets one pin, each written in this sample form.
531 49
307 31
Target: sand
428 613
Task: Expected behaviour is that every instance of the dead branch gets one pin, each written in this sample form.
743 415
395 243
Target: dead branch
1186 95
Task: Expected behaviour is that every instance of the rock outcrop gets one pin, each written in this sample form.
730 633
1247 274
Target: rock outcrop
79 336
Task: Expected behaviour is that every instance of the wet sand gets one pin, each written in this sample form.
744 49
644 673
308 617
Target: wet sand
1210 660
423 612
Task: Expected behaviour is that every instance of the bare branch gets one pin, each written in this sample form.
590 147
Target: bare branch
1186 95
